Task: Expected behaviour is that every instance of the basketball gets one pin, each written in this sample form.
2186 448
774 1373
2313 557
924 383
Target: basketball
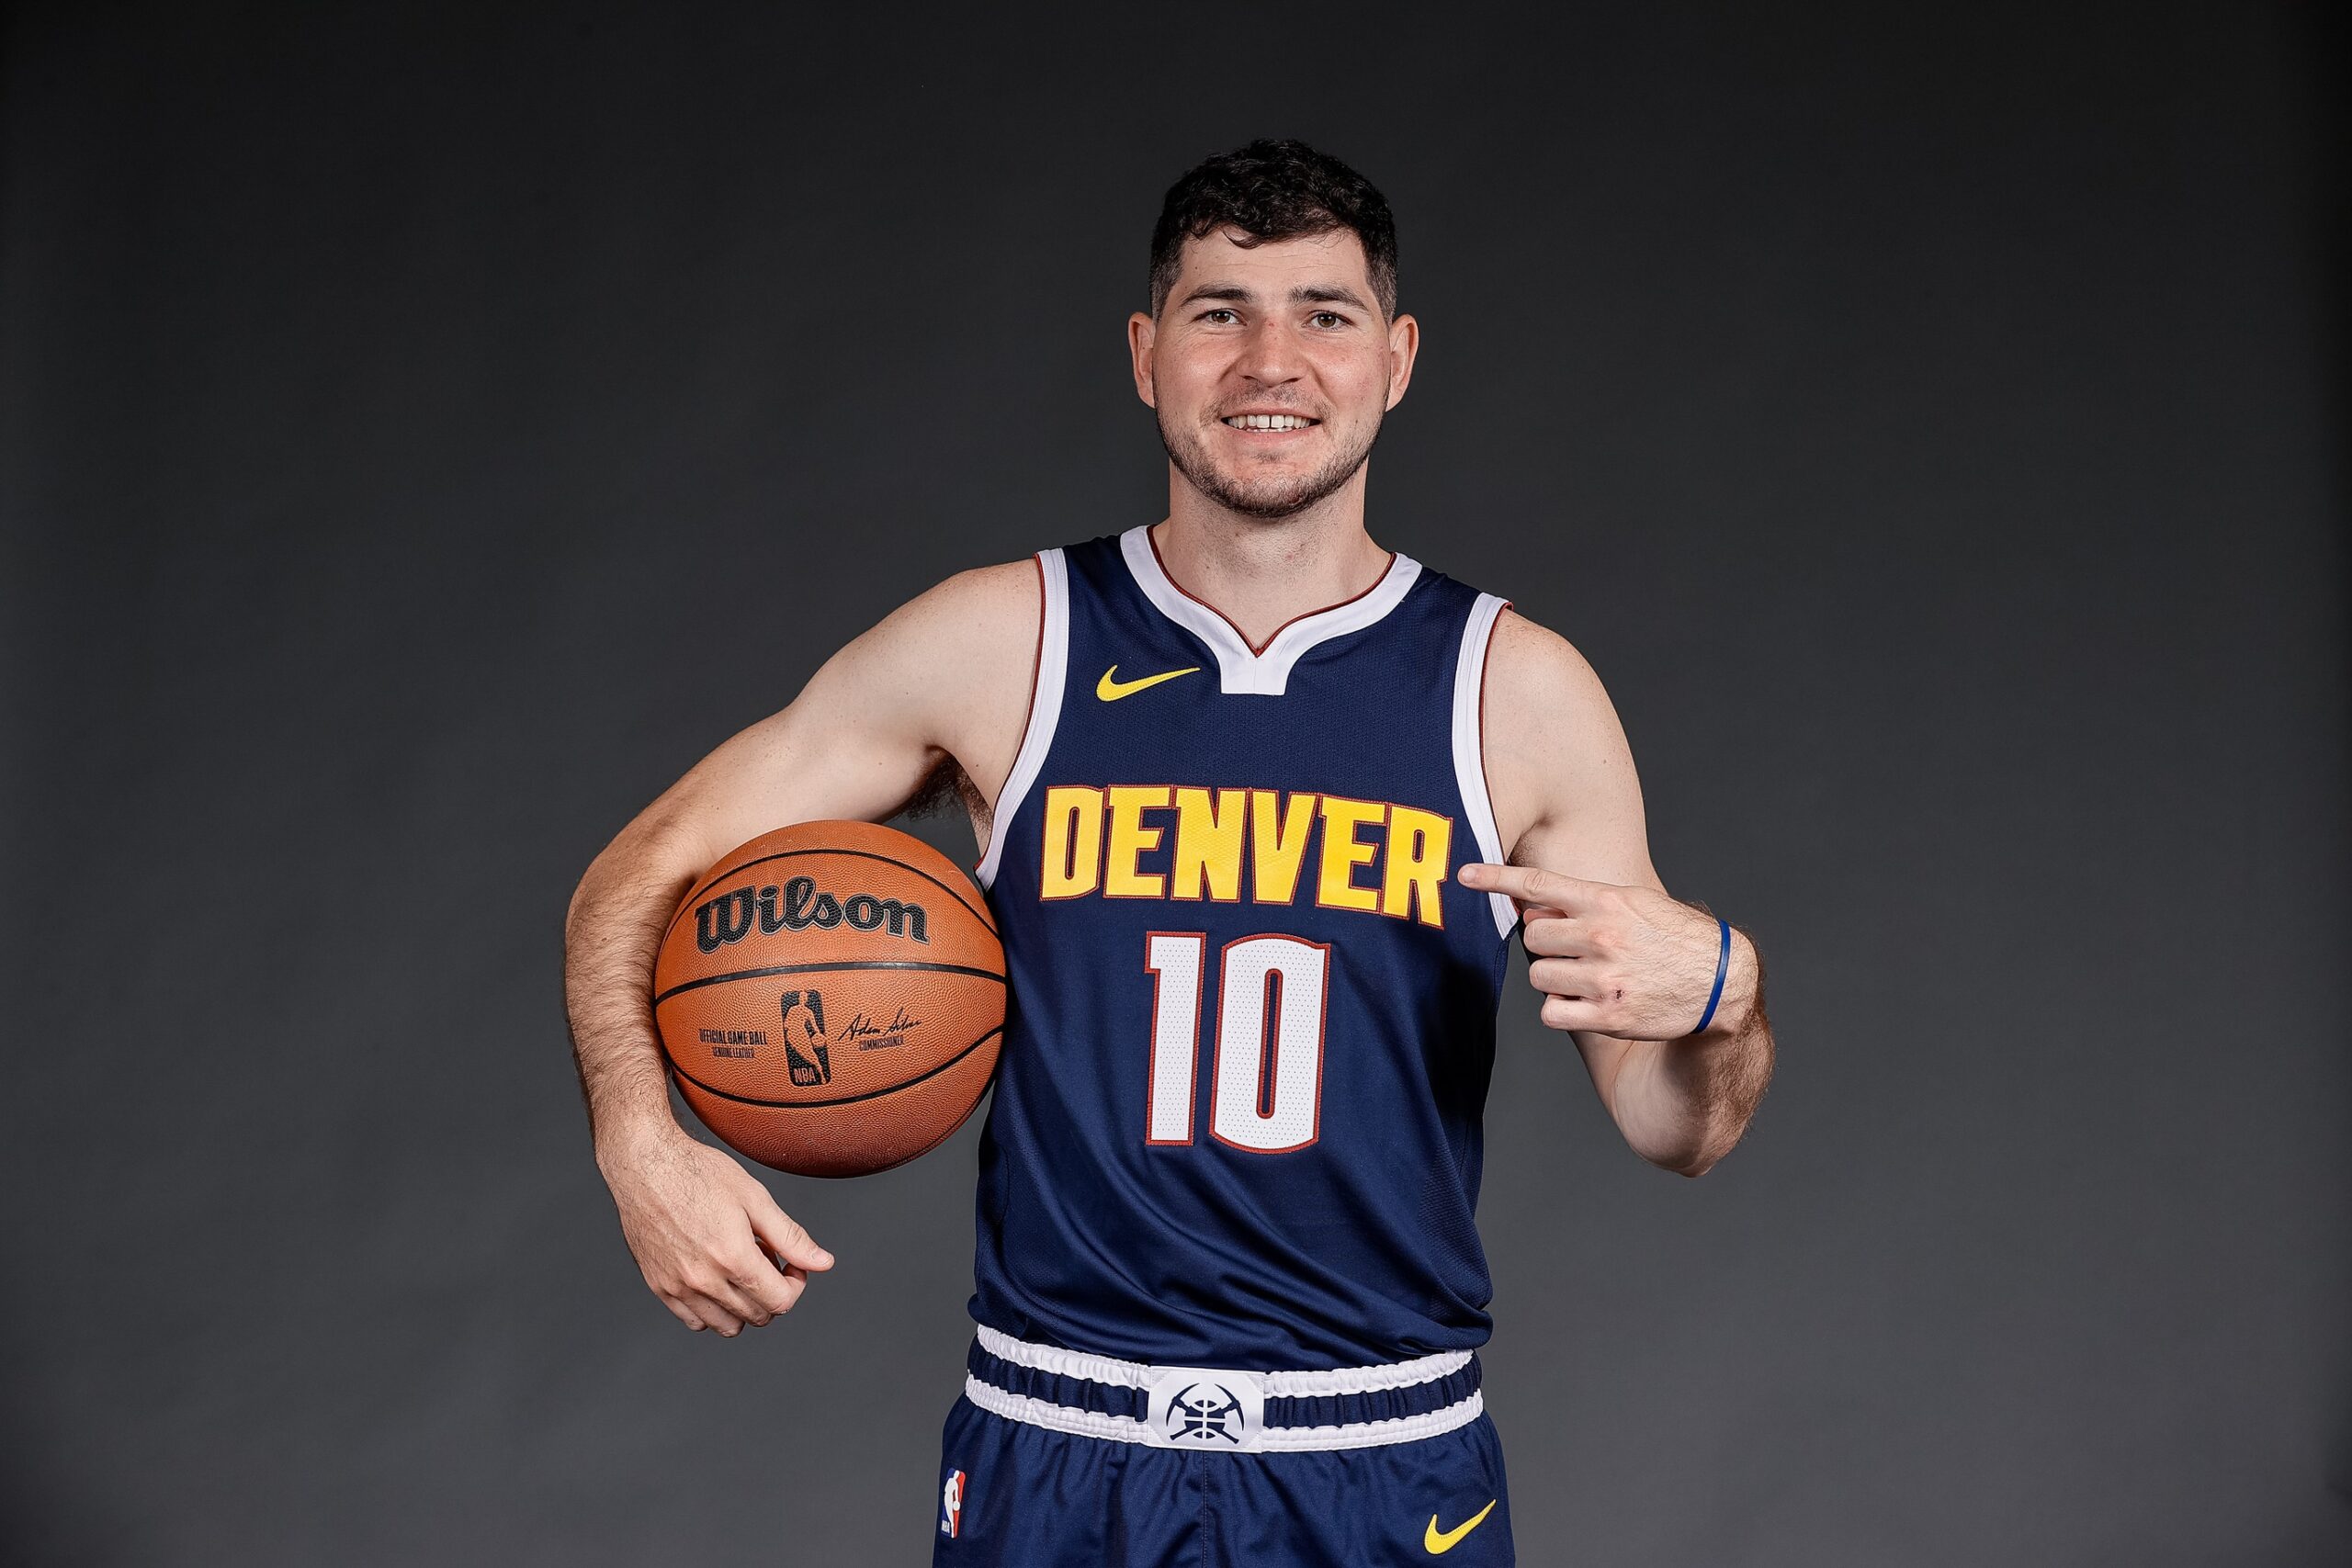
830 997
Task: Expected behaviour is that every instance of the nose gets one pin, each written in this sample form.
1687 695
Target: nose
1270 356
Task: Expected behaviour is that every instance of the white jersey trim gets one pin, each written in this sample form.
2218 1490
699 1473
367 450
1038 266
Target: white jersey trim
1044 708
1469 745
1241 671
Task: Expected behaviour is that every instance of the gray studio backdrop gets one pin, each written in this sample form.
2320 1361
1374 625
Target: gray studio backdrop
426 432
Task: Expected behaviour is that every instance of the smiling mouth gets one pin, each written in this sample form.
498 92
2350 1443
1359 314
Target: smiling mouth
1268 421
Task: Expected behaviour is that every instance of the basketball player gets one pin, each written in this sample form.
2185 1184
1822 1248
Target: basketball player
1261 804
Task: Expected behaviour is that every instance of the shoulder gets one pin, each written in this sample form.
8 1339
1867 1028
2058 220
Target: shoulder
969 639
1535 673
970 623
949 670
991 595
1551 743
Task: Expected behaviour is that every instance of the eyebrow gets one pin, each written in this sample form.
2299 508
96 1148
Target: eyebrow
1305 294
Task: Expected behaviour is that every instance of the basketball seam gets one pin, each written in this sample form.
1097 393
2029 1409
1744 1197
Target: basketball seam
823 968
847 1100
786 854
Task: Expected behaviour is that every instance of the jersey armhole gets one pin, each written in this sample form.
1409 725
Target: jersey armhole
1470 745
1045 706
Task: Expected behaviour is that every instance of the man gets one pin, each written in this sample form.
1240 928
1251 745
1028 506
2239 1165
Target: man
1261 804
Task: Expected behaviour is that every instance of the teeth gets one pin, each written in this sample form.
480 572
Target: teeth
1269 422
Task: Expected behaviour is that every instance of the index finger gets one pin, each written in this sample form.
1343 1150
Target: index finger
1533 885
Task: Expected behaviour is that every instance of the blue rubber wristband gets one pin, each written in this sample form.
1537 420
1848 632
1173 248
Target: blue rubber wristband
1722 967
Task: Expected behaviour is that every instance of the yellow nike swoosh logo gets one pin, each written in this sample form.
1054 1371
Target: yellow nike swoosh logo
1111 690
1439 1542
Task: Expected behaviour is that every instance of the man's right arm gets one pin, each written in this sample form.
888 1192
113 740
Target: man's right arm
945 679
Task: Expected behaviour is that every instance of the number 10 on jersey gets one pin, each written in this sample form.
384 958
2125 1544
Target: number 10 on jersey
1266 1083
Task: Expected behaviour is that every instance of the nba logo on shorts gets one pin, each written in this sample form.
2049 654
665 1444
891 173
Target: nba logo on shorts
951 1504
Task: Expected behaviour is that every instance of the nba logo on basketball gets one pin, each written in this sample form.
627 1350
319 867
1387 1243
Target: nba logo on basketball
951 1505
805 1048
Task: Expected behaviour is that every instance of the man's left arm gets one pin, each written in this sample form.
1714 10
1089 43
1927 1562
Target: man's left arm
1625 969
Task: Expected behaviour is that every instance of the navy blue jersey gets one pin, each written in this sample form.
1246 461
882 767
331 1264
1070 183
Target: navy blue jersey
1237 1120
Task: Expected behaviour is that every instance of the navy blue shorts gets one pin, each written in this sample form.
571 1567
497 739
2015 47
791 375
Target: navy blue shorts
1022 1496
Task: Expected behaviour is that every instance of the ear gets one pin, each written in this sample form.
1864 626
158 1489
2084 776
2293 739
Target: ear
1404 345
1141 332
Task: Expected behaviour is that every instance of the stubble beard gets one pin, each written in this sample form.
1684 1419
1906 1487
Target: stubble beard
1268 500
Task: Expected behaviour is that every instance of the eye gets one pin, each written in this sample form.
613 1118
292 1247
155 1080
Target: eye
1328 320
1212 316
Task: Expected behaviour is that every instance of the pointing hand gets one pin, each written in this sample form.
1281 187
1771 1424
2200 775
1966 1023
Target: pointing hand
1628 962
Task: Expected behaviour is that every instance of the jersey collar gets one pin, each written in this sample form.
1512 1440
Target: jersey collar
1261 672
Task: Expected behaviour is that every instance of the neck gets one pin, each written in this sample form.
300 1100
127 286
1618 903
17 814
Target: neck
1259 574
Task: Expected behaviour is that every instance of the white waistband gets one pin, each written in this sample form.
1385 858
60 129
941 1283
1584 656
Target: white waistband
1219 1410
1277 1386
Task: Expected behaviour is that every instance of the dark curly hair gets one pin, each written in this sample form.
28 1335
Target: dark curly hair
1274 190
